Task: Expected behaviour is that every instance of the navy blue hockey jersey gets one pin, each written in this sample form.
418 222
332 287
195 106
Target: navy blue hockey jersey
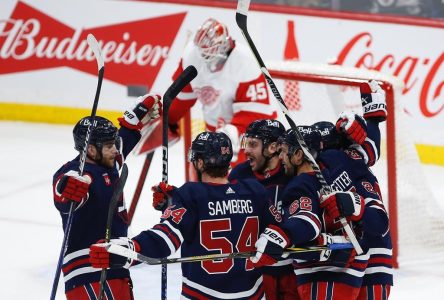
274 182
207 218
89 220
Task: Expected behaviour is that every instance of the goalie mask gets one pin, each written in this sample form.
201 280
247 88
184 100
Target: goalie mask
214 43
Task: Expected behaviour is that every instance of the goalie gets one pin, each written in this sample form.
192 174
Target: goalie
232 90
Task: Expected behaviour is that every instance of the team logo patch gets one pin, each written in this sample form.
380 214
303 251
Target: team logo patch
353 154
106 178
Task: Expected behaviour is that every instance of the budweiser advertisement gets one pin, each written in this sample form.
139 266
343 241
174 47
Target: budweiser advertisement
45 58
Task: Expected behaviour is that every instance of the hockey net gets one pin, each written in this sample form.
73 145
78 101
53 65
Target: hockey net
320 92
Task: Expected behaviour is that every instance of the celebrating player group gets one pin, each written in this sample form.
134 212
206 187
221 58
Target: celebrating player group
258 191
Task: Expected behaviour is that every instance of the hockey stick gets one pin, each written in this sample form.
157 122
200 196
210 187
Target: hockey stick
176 87
118 190
140 184
125 252
94 45
241 20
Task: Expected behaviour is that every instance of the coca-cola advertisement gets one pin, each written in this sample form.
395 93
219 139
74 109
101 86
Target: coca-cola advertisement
45 58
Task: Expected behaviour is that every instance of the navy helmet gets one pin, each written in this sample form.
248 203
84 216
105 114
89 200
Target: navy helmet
267 130
104 131
214 148
311 136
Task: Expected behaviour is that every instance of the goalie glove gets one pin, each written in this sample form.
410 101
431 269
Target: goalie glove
343 204
353 126
148 107
270 247
100 258
373 101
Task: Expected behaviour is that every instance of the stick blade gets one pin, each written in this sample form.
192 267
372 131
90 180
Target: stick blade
94 45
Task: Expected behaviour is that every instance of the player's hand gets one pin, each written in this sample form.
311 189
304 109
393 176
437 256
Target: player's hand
343 204
270 246
373 101
161 194
100 258
342 257
148 107
74 187
353 126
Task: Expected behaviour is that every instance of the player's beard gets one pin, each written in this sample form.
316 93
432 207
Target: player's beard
257 164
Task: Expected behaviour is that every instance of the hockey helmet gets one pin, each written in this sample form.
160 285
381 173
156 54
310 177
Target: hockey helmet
214 148
330 138
311 136
103 131
214 43
267 130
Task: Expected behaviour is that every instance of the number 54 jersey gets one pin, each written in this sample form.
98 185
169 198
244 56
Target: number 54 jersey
207 218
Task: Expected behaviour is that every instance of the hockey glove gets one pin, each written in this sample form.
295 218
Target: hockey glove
270 247
148 107
343 204
373 101
353 126
161 194
341 258
100 258
74 187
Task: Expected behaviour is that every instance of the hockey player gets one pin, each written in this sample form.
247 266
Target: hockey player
91 194
378 276
232 90
206 217
263 164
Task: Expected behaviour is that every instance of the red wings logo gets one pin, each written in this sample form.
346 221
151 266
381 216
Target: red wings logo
135 51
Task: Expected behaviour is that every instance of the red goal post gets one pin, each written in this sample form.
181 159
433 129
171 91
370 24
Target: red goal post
319 84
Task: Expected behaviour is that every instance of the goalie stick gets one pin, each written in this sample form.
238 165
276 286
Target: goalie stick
94 46
241 20
118 190
176 87
125 252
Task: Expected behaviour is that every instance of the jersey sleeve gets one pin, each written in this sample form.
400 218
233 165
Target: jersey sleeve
130 138
370 149
301 214
178 223
184 101
375 220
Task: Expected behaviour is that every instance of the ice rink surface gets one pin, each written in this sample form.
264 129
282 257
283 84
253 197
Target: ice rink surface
31 231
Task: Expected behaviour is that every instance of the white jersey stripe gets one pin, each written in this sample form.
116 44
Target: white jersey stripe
75 254
184 96
175 230
165 238
313 224
372 270
220 295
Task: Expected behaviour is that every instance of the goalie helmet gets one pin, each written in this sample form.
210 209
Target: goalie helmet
267 130
214 148
103 132
214 43
311 136
330 138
